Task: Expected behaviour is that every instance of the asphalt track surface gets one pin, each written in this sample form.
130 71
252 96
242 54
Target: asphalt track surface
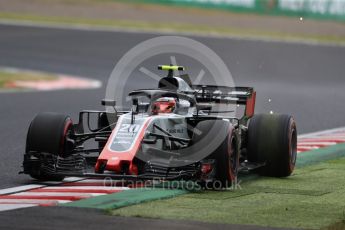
304 80
76 218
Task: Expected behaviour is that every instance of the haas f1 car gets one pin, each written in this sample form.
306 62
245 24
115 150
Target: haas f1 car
173 132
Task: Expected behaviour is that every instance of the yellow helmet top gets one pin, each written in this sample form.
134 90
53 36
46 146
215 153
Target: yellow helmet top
171 67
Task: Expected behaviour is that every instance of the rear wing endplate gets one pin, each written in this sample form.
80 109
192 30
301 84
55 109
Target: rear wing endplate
227 95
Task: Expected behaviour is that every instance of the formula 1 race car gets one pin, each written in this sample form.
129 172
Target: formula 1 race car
173 132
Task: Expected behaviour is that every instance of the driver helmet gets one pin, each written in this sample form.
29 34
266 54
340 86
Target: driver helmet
164 105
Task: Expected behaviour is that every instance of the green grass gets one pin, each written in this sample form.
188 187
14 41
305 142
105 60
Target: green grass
171 27
313 197
7 77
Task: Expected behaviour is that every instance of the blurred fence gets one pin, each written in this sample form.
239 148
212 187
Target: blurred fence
319 9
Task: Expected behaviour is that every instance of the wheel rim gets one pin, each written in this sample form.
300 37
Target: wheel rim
293 147
232 160
67 130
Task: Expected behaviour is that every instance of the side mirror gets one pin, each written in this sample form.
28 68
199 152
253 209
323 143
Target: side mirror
150 141
107 102
143 107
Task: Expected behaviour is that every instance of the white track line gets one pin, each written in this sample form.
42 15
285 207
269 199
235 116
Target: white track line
73 179
20 189
62 194
87 188
32 201
97 181
324 132
340 134
326 138
34 186
316 143
307 147
7 207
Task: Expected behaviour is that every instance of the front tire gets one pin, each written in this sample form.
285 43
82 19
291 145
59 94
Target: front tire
272 139
46 139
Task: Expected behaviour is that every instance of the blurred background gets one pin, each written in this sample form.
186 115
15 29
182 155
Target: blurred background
319 20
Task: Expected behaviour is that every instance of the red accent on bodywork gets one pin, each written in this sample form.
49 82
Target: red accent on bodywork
250 105
206 168
133 169
115 160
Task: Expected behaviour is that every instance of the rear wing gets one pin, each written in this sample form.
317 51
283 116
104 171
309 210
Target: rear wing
227 95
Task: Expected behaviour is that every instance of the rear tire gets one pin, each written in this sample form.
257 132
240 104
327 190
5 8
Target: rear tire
47 134
226 155
273 139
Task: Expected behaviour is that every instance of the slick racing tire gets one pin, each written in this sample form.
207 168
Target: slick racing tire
47 136
272 139
226 155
